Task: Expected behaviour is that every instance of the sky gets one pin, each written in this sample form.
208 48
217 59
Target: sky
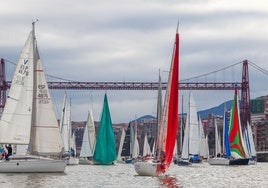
114 40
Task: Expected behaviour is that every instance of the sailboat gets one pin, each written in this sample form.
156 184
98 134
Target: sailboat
146 147
125 146
88 142
168 126
239 155
29 118
191 140
219 159
204 153
120 148
73 160
135 147
250 145
105 149
66 132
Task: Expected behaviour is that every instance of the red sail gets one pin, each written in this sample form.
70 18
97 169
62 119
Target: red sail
169 122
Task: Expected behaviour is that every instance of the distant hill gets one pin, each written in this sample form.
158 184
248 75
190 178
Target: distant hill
218 110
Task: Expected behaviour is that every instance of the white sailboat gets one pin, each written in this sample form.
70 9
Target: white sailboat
120 148
218 159
125 150
146 147
89 139
250 145
73 159
135 144
29 118
66 132
204 153
191 140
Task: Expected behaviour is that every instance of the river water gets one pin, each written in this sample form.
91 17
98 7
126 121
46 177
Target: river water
123 175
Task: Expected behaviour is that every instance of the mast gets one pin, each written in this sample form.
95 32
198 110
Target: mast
181 127
159 114
32 135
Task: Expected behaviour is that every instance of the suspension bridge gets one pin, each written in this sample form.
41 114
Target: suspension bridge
244 86
183 85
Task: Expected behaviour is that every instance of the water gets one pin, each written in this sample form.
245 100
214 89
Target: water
123 175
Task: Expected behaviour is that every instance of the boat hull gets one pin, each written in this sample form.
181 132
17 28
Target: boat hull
32 165
146 168
102 163
239 162
252 162
128 161
182 162
85 161
218 161
73 161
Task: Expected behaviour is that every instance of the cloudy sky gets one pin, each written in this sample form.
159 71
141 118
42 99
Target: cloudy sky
89 40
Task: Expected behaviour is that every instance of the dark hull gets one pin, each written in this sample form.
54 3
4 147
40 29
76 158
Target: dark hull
182 162
238 161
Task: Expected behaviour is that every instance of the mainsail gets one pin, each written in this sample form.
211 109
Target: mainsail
17 115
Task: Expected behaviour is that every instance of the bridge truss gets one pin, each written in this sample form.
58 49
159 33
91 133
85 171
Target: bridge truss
70 85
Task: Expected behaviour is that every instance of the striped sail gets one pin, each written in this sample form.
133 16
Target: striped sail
235 131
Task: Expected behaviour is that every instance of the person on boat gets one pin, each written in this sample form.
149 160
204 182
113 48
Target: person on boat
2 152
72 152
9 151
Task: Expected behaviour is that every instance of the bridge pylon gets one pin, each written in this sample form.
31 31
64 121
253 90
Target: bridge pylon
3 87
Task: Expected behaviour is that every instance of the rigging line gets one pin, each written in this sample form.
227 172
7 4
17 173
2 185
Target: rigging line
202 75
258 68
9 61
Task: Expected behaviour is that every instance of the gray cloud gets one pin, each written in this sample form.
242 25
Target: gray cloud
131 40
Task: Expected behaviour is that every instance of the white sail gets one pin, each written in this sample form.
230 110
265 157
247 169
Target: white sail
86 150
175 152
203 141
91 129
250 141
193 127
64 123
217 139
46 139
72 143
135 147
122 138
15 124
146 147
185 146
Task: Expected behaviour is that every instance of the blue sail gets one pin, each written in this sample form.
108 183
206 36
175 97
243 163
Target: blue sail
226 136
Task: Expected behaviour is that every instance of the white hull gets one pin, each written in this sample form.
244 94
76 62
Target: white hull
85 161
73 161
32 165
218 161
146 168
252 162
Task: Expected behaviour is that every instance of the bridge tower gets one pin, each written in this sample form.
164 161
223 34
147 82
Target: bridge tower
245 97
3 87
